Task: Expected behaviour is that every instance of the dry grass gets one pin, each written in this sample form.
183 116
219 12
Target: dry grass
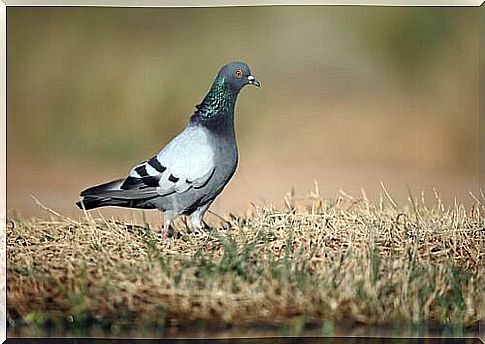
319 260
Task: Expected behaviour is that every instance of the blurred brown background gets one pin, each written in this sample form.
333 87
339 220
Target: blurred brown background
350 97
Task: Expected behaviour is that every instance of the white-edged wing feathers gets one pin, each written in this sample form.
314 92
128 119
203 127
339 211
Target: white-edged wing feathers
186 162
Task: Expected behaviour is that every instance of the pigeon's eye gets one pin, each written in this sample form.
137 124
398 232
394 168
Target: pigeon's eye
238 73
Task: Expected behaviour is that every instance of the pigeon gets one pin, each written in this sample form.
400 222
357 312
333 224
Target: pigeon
187 175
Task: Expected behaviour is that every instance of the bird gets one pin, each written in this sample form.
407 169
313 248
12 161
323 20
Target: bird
188 173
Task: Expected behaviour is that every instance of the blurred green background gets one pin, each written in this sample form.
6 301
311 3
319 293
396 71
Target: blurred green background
351 96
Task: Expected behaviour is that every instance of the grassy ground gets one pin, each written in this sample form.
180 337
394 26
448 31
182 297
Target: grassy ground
318 261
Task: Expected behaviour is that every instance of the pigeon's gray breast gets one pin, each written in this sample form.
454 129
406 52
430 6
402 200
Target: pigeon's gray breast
224 160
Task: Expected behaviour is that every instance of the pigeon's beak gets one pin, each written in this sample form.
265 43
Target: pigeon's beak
253 81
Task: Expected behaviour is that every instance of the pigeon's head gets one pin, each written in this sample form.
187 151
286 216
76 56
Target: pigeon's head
219 102
236 75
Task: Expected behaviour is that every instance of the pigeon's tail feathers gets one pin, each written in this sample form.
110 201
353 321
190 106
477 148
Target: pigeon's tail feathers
113 190
91 202
111 194
100 189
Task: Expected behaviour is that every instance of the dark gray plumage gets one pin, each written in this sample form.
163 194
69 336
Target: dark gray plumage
191 170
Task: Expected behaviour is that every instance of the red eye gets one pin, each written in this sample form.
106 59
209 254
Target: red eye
238 73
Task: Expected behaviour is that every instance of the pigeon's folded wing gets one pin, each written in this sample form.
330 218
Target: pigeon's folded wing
186 162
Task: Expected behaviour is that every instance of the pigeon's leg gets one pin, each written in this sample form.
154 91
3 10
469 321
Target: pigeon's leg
196 218
168 217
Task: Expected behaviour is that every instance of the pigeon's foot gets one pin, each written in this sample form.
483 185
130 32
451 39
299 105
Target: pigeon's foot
198 229
167 229
197 223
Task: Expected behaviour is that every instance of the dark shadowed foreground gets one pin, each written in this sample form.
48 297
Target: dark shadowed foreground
317 262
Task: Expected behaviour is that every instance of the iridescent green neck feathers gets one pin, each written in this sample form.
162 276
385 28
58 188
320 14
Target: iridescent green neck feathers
218 102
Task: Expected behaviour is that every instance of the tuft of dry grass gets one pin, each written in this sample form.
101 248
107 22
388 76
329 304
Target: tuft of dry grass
320 260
